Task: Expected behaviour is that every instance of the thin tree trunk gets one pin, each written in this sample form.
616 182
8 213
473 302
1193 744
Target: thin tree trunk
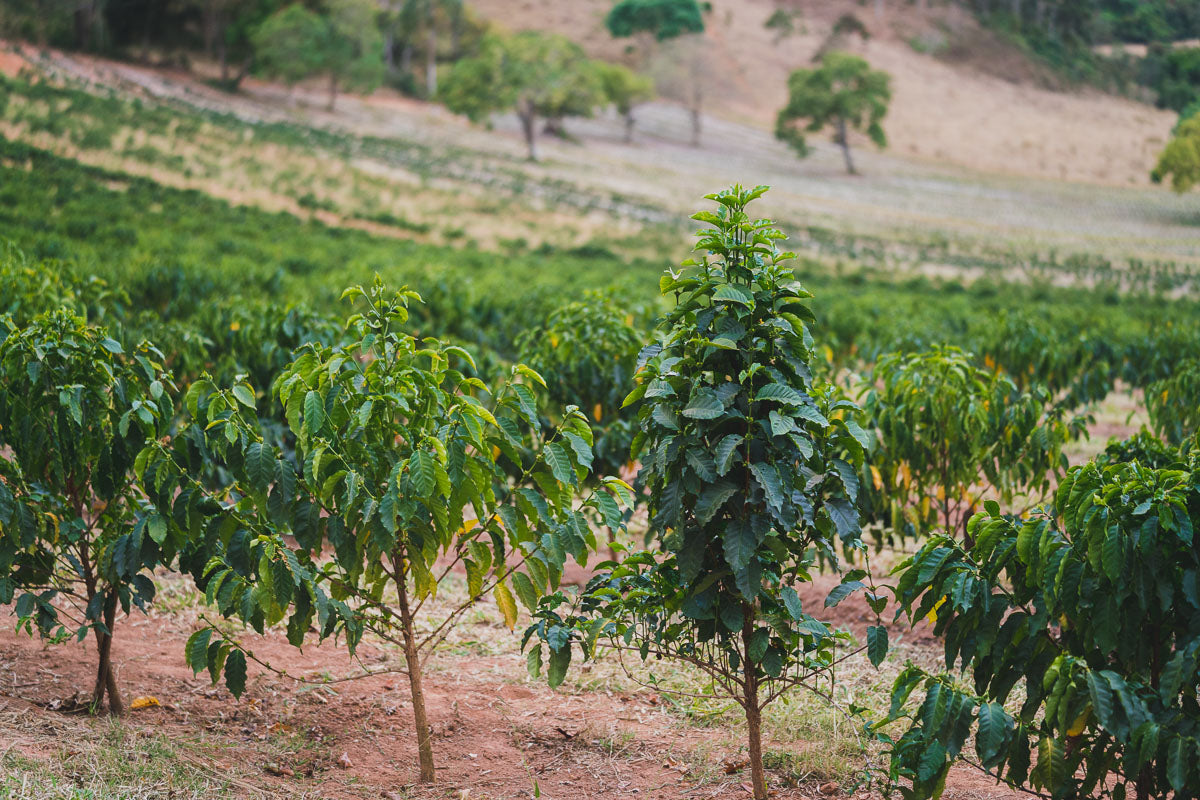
529 128
106 680
431 58
413 660
406 54
629 122
333 89
844 141
758 778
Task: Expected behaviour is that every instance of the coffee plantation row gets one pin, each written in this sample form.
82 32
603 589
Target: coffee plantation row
161 409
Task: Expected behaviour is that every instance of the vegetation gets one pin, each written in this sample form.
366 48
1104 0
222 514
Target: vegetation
77 541
1180 159
1075 627
843 93
397 469
749 469
537 75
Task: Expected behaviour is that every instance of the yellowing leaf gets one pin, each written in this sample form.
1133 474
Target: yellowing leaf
598 412
507 604
931 617
1080 722
876 478
989 362
553 340
235 326
145 701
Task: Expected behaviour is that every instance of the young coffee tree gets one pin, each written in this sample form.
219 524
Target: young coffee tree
1180 159
398 478
951 432
1077 629
750 474
1174 403
845 93
77 542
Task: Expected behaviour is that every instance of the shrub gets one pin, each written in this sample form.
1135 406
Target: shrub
1077 627
750 473
75 409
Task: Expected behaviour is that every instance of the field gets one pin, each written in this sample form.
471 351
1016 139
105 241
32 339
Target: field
225 227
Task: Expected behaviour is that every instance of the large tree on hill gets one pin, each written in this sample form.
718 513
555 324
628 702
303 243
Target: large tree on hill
352 54
1180 159
288 43
675 22
536 75
843 93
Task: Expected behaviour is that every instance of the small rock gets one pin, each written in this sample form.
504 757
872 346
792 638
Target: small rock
344 761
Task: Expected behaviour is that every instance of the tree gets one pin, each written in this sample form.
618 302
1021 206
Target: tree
951 432
749 470
665 21
624 89
77 540
352 51
1180 159
534 74
1077 627
843 92
398 472
289 44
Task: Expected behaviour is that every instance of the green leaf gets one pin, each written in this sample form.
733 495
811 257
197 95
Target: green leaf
196 650
235 673
422 474
780 393
1178 756
725 451
260 465
244 394
740 543
314 413
841 592
791 601
525 590
556 670
704 404
559 462
156 526
728 293
994 724
877 644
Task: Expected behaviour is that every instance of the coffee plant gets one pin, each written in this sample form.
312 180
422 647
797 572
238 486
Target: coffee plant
1077 628
951 433
1174 403
77 540
587 351
398 474
750 475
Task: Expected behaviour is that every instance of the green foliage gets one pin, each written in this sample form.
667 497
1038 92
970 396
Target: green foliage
398 471
532 73
750 470
1180 159
844 92
1177 78
1174 403
1078 631
587 351
288 44
951 433
664 19
623 89
353 46
75 409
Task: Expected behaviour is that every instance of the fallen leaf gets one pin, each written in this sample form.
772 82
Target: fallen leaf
145 701
735 766
344 761
281 771
828 788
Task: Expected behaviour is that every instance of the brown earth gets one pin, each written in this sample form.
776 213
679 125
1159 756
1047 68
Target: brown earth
497 733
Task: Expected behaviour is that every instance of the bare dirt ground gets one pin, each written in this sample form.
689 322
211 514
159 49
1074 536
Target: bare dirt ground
497 733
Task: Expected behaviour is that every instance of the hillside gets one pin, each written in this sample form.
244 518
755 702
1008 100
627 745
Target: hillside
978 103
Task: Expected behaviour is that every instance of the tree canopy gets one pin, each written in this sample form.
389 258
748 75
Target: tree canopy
664 19
1180 159
531 73
843 92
